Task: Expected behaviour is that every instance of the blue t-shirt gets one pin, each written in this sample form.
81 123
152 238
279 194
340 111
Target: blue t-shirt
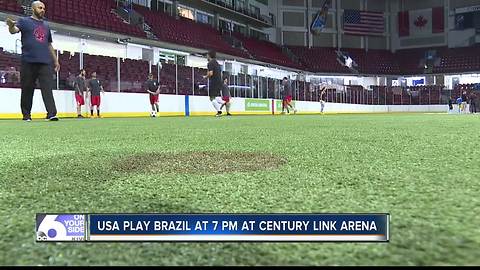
36 38
459 100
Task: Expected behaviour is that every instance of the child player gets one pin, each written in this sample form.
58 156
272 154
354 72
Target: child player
226 96
287 96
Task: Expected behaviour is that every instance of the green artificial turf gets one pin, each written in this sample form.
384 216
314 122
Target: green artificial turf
422 169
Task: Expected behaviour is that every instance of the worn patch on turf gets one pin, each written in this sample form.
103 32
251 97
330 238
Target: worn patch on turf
204 162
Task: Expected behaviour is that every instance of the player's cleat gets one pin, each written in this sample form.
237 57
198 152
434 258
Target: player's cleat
53 118
218 114
80 116
295 111
27 119
229 114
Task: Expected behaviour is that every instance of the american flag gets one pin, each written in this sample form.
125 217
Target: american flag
363 22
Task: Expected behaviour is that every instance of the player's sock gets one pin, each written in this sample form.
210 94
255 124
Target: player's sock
91 112
98 112
293 108
216 105
228 108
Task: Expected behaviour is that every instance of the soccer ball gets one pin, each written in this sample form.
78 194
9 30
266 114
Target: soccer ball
153 114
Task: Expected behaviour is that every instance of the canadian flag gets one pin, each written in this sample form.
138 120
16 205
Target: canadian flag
421 22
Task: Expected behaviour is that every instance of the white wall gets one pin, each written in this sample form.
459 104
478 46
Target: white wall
200 105
137 104
134 51
66 43
195 61
112 104
7 42
305 106
95 47
463 78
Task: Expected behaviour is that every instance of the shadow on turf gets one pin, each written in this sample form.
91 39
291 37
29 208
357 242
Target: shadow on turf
201 162
108 165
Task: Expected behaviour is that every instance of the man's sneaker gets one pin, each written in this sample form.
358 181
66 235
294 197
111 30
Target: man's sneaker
27 119
53 118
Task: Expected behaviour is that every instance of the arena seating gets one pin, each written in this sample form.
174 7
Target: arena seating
413 95
9 70
187 32
266 51
90 13
374 61
451 60
183 31
98 14
10 6
321 59
318 59
405 62
133 74
460 88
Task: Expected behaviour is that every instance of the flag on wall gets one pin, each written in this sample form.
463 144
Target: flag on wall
421 22
358 22
318 25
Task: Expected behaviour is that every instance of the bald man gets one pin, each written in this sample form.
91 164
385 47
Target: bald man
38 56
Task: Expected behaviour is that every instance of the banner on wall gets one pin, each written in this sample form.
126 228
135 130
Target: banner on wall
257 105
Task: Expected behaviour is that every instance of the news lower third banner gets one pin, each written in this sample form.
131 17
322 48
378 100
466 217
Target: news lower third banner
213 227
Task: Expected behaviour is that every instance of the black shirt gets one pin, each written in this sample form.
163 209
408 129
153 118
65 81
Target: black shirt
95 87
80 85
225 91
151 85
287 89
216 80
